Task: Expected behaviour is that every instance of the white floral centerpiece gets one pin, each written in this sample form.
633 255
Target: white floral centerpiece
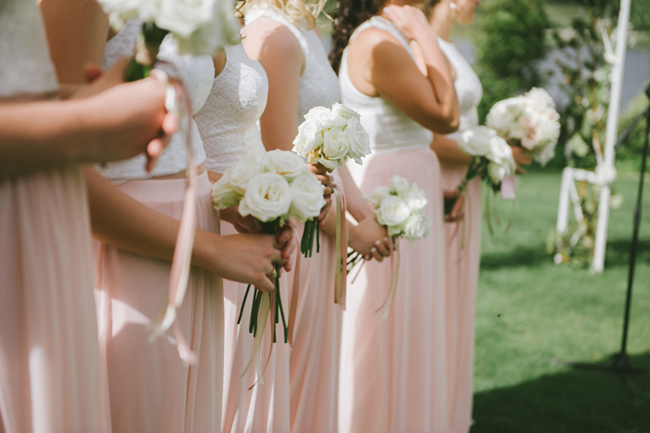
399 207
529 121
271 189
201 27
327 137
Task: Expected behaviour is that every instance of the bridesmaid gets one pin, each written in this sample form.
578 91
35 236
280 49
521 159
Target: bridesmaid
463 238
299 391
50 371
393 72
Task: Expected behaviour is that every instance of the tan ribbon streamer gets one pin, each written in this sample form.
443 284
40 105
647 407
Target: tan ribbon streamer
340 282
181 261
293 307
394 264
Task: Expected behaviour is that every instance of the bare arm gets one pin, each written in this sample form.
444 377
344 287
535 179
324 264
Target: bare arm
380 65
125 223
448 151
279 52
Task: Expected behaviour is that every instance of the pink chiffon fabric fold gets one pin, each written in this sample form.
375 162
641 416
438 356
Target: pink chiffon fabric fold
265 407
463 252
393 371
314 362
151 390
51 375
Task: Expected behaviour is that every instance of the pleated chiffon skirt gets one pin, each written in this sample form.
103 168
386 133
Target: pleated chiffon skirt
463 252
393 371
51 375
151 389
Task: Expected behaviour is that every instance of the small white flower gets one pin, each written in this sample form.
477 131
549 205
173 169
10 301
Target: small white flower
335 148
378 195
242 172
606 174
417 226
345 112
502 163
309 139
415 198
358 139
267 198
540 99
307 197
392 211
224 195
284 163
398 185
476 141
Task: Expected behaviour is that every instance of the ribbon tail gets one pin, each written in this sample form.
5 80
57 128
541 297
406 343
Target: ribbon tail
262 315
340 281
386 306
293 307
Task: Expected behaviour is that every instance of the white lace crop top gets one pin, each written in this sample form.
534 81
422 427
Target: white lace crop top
25 65
196 72
468 87
318 83
228 119
389 128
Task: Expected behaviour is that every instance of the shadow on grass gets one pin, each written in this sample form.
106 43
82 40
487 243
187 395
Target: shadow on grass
573 401
618 252
519 256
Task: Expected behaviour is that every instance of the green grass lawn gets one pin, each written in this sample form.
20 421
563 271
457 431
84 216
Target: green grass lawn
534 316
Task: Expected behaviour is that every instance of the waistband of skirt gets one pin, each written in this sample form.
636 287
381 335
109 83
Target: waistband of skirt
165 189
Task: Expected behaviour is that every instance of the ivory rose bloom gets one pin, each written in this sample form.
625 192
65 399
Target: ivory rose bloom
306 197
392 211
268 197
417 227
287 164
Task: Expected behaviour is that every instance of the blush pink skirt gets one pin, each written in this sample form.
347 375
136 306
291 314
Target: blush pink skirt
151 389
393 371
51 376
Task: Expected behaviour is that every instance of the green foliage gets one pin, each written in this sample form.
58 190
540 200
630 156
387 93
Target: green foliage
628 156
512 45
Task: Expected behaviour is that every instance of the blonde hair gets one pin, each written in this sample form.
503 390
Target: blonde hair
302 13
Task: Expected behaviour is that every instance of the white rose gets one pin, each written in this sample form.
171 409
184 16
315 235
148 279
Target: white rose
417 226
392 211
345 112
358 139
242 172
184 17
502 163
306 197
224 195
378 195
284 163
540 99
476 141
325 118
398 185
504 114
208 38
335 148
267 198
309 138
415 198
544 153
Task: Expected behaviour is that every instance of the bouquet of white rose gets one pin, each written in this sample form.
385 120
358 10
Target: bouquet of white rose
492 160
529 121
327 137
201 27
400 208
271 188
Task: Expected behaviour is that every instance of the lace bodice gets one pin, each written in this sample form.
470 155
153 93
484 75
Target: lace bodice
389 128
468 87
196 72
318 83
25 65
228 119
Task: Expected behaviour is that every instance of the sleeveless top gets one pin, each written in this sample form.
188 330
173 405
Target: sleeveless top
319 85
27 70
196 72
390 130
468 88
228 119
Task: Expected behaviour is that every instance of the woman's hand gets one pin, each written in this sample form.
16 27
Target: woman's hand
458 211
410 21
370 239
522 157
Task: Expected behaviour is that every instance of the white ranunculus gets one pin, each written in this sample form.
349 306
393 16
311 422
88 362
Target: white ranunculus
392 211
358 139
540 99
378 195
415 198
345 112
309 138
398 185
284 163
242 172
504 114
224 195
335 148
307 197
267 198
417 226
476 141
